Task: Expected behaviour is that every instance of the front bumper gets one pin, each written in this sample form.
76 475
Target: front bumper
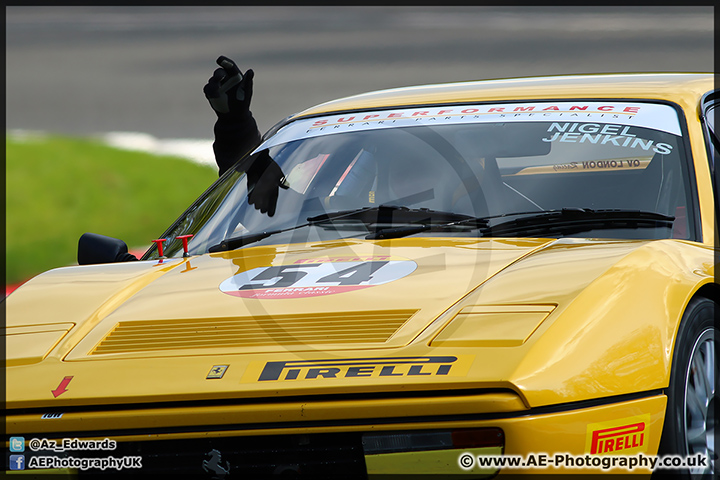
320 439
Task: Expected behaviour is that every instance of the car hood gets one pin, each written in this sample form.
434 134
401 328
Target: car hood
256 322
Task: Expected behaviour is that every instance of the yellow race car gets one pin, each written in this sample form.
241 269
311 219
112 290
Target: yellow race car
471 279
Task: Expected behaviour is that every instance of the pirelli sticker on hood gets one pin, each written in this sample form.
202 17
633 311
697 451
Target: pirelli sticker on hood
377 368
318 276
649 115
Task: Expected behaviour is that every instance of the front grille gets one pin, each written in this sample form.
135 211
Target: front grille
328 328
316 456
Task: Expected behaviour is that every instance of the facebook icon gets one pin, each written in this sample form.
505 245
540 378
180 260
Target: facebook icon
17 462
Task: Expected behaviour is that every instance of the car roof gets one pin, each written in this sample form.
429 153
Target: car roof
682 88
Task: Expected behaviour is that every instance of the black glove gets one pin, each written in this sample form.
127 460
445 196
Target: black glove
229 91
265 177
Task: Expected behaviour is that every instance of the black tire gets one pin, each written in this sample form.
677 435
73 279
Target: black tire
690 420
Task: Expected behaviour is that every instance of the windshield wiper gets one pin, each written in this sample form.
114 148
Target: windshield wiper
390 214
420 219
241 241
564 221
575 220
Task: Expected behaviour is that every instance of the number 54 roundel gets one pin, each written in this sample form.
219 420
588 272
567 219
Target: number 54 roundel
312 279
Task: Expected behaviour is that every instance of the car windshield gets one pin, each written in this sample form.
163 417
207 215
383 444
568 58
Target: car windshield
499 162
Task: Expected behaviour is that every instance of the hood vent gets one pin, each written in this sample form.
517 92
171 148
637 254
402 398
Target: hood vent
315 329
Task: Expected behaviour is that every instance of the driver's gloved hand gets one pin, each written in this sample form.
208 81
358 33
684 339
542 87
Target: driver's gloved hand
229 91
265 178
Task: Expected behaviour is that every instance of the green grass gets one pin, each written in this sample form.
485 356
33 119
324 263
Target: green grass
58 188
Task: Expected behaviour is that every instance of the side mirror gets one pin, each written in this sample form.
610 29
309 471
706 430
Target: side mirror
94 248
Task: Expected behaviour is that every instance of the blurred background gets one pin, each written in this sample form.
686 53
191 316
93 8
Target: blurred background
74 75
86 69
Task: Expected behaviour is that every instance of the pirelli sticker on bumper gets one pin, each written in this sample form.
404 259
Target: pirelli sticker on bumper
425 367
625 436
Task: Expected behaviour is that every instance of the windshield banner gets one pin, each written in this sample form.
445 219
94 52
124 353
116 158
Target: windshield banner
647 115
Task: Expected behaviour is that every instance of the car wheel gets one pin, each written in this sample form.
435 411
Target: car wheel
690 420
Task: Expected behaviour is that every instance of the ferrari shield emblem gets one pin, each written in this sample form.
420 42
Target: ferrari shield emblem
217 371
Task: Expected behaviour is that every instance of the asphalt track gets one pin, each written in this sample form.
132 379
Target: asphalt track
89 70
